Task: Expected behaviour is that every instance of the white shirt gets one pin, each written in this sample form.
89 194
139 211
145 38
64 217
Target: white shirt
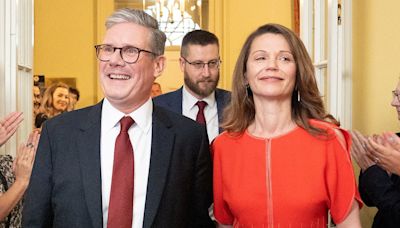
140 136
190 109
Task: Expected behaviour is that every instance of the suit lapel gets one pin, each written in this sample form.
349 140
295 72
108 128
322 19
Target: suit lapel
176 102
89 159
220 106
161 151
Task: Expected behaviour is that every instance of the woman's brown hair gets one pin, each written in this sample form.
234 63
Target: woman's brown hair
46 106
240 113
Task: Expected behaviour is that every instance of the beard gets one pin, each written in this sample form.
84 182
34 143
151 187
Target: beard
195 85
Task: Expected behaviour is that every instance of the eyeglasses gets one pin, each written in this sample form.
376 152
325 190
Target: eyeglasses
129 54
396 95
198 65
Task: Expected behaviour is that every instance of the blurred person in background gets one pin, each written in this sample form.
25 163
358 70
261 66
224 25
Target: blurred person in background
54 102
379 182
73 98
156 89
37 96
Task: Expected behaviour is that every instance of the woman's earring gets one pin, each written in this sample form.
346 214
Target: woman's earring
298 96
248 91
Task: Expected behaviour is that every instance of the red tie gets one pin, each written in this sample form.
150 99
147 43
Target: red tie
200 115
120 208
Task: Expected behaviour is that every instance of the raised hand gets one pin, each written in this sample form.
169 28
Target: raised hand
386 152
25 157
9 125
359 150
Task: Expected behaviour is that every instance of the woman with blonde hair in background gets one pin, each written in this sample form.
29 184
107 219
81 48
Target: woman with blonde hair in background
54 102
282 161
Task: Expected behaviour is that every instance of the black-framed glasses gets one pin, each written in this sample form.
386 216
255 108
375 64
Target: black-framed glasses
129 54
396 94
198 65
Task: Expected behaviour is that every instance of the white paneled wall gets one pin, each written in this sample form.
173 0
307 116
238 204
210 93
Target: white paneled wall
16 46
24 65
321 28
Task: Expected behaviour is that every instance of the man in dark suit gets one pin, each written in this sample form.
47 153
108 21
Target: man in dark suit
199 63
122 162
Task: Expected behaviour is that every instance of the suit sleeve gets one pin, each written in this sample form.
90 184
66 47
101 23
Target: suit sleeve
202 189
379 191
37 210
363 191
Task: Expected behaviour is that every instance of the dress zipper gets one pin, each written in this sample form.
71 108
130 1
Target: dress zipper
270 204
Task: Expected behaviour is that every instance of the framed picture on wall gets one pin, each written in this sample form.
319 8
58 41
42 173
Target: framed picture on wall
69 81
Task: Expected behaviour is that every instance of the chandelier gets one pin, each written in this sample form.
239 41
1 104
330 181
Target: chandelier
176 17
171 10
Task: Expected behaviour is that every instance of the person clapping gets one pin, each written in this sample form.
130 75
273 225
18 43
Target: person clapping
379 182
15 175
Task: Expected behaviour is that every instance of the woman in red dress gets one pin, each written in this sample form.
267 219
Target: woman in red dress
282 161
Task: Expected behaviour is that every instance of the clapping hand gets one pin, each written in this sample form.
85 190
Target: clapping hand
385 150
9 125
360 151
23 163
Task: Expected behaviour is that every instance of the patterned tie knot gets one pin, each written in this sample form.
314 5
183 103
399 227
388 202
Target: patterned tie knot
126 122
201 105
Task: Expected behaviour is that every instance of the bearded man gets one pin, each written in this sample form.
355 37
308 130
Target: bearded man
199 98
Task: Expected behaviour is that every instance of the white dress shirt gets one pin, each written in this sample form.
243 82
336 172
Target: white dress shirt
140 136
190 109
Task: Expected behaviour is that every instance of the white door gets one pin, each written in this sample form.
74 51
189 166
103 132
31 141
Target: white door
16 45
325 28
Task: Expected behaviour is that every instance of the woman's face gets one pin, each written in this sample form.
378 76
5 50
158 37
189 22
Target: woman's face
271 69
61 99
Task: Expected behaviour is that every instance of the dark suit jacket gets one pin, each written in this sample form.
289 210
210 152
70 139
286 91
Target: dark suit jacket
378 189
65 186
173 101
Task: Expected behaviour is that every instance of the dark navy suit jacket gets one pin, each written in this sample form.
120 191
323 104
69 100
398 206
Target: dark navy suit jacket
65 186
173 101
379 189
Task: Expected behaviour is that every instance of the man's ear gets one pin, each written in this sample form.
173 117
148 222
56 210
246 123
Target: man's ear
159 65
182 64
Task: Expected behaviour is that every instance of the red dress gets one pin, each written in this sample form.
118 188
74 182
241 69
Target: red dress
287 181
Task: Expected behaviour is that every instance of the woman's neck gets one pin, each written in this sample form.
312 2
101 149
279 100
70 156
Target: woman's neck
273 118
55 112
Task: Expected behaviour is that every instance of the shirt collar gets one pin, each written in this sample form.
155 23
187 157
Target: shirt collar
191 100
142 116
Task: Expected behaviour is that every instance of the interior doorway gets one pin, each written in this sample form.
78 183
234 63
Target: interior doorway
325 28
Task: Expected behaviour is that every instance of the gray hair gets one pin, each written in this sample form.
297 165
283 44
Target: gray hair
139 17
